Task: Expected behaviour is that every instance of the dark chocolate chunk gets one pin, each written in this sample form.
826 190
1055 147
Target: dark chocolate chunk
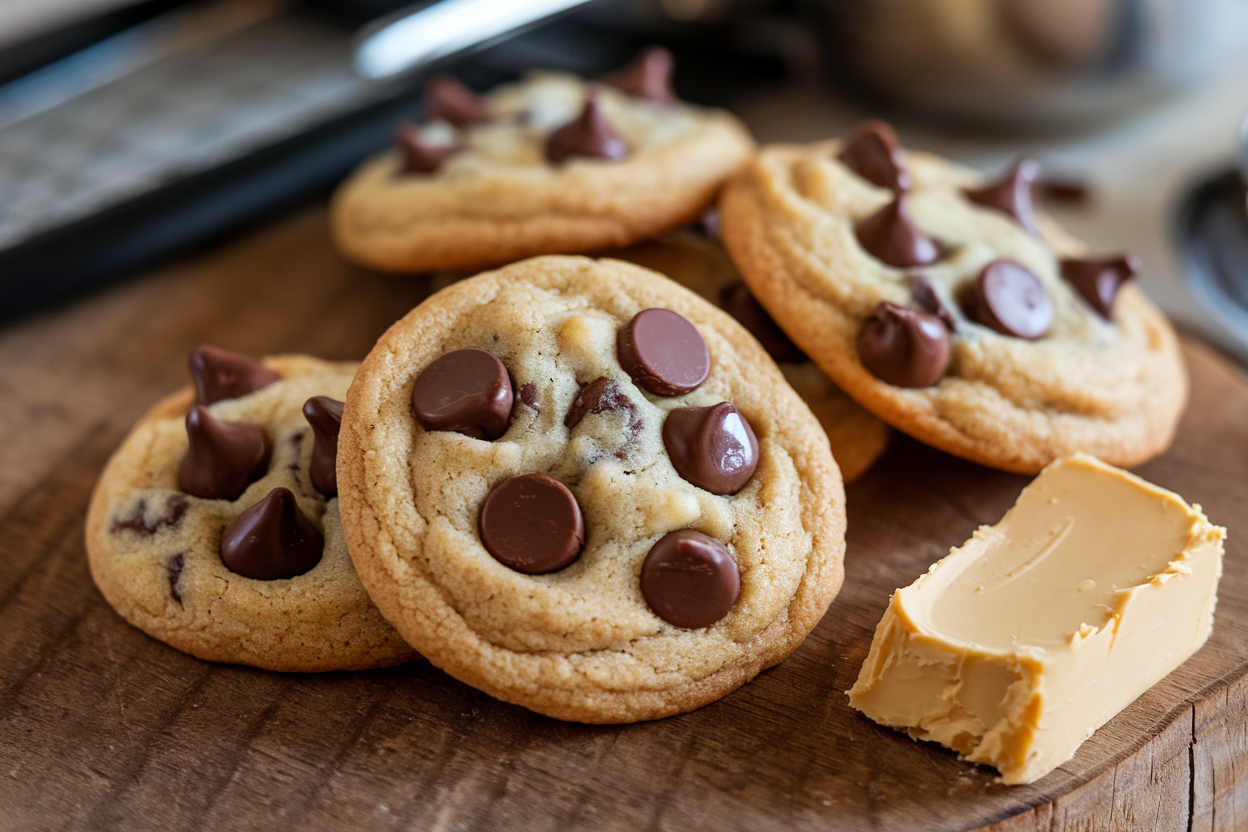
528 395
588 135
1098 281
532 524
1012 195
467 391
740 303
219 374
451 101
891 236
173 569
272 540
904 347
325 416
418 155
139 523
712 447
925 298
649 76
689 579
222 458
1008 298
663 352
874 153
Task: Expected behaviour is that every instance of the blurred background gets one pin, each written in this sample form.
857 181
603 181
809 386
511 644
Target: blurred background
130 131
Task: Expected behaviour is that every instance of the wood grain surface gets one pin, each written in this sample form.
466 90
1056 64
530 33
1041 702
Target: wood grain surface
103 728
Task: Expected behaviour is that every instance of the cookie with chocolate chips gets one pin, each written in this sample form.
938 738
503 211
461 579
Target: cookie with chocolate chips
947 306
656 519
551 164
215 527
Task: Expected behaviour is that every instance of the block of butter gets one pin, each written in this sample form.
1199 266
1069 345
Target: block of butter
1018 645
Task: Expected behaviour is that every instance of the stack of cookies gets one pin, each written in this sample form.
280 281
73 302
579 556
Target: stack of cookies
575 483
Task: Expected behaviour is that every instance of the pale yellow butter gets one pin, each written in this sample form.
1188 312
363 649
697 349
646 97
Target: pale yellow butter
1018 645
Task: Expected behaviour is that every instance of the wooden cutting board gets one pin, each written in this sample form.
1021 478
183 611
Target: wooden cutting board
102 727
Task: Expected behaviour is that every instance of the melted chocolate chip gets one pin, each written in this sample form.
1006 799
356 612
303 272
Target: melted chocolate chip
532 524
528 395
173 569
220 375
891 236
467 391
272 540
663 352
689 579
1009 299
712 447
325 416
451 101
874 153
1098 281
740 303
603 395
222 458
588 135
649 76
925 298
419 156
138 522
1012 195
904 347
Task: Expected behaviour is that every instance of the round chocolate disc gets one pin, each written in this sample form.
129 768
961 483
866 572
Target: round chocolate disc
272 540
1009 299
325 416
904 347
689 579
467 391
663 352
712 447
222 458
532 523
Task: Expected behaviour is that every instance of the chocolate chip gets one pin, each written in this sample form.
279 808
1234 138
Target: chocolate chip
1065 189
451 101
173 569
649 76
174 510
689 579
874 153
532 524
663 352
712 447
1098 281
528 395
1008 298
740 303
418 156
602 395
222 458
220 375
325 416
891 236
588 135
467 391
904 347
1012 195
272 540
708 225
925 298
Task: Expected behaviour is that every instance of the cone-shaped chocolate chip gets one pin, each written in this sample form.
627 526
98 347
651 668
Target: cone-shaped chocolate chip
417 155
532 524
925 298
219 374
874 153
712 447
587 135
222 458
1098 281
689 579
649 76
272 539
325 416
740 303
1008 298
1012 195
451 101
904 347
467 391
891 236
663 352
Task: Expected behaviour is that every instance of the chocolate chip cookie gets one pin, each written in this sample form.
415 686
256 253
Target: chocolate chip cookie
945 305
551 164
215 527
580 488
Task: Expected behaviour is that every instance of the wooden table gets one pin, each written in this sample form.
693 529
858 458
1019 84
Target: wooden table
102 727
